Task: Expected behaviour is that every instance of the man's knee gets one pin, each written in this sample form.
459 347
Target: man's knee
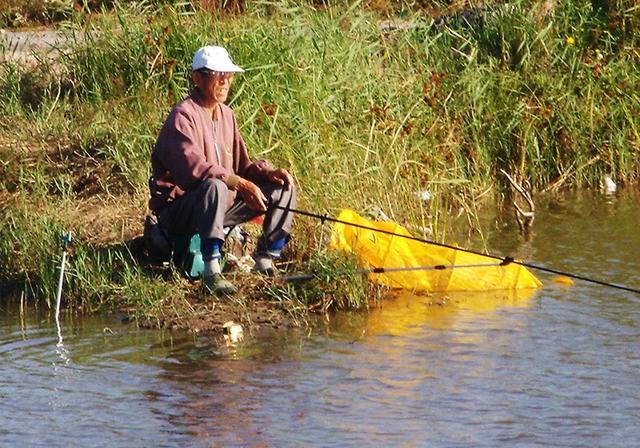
212 188
280 193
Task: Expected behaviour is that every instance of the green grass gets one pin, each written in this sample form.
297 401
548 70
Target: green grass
18 13
335 285
363 117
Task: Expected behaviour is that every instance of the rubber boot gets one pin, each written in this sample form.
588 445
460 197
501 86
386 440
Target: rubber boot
218 285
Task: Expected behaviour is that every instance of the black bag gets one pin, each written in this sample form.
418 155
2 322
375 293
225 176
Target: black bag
156 239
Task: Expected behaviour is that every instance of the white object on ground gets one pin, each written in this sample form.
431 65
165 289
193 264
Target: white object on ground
242 264
232 332
609 185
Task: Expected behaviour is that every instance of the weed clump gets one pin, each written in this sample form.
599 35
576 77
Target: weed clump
331 281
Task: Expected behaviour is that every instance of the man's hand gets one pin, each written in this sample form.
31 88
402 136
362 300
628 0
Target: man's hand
252 195
280 177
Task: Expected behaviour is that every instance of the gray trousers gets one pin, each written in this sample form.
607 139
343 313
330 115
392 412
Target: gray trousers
204 210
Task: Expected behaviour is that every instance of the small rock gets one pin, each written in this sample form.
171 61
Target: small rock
232 332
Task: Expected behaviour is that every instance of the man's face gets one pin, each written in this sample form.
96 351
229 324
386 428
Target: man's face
213 85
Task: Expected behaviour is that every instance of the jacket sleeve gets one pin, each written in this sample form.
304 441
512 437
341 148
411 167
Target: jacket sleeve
184 156
244 167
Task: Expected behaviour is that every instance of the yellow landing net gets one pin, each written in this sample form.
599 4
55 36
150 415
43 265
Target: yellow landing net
381 250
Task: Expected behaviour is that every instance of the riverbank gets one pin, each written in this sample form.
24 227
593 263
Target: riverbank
365 116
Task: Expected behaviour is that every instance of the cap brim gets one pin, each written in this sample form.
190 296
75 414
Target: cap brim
221 68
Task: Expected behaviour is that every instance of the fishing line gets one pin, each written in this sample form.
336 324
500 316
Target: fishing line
503 260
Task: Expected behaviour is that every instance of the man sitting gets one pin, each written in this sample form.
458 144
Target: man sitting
203 179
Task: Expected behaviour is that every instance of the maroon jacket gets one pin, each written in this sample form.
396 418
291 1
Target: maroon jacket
192 147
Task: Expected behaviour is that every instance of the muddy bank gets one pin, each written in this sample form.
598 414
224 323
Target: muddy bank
206 314
257 304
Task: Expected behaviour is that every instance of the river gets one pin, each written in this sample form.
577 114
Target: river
553 367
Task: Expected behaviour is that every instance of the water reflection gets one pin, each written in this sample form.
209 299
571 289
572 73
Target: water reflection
406 312
221 384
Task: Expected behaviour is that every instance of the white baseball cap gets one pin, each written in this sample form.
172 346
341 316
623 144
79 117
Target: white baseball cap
214 58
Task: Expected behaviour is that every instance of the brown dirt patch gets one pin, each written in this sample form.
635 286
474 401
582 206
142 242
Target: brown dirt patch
105 219
202 313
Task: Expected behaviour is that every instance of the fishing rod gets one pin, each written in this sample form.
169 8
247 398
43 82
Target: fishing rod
438 267
503 260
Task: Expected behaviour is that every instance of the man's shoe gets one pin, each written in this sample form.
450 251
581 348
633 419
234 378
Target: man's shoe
216 284
264 265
